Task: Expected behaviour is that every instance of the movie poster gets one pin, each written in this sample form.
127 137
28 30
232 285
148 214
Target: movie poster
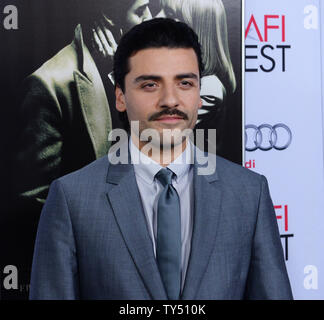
57 98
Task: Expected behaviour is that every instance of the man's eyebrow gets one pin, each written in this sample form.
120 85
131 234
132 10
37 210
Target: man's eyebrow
189 75
144 77
147 77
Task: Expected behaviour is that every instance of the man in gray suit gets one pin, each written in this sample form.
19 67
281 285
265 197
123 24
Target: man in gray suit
154 226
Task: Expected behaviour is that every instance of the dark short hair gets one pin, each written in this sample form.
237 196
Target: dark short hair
155 33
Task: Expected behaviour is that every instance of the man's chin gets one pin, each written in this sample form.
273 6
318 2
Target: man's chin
164 137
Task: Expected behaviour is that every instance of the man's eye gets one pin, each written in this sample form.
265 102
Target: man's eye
186 84
149 85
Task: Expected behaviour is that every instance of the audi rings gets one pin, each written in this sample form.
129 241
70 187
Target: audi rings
272 137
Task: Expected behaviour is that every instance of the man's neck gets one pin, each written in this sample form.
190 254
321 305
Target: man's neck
162 155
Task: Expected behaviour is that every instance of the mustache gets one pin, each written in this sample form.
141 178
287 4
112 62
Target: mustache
168 112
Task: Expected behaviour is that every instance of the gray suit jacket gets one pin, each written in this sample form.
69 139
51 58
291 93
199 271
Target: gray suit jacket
64 121
93 241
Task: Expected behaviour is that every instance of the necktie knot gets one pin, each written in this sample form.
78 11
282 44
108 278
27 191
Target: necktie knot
165 176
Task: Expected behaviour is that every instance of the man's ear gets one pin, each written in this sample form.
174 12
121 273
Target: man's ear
200 103
120 99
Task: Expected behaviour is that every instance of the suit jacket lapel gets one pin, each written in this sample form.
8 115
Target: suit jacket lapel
208 195
92 96
124 198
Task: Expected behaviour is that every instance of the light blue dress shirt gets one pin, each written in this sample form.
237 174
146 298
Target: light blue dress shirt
150 189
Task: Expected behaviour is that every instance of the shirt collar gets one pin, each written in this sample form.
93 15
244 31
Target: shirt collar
147 168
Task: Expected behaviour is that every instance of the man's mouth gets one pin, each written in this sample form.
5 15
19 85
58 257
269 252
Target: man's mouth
169 119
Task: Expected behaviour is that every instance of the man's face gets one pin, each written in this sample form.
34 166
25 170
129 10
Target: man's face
138 13
161 90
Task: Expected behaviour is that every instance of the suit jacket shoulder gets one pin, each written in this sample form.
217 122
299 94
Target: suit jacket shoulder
96 170
236 175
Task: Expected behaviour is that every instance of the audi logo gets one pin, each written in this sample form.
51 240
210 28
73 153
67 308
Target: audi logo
266 137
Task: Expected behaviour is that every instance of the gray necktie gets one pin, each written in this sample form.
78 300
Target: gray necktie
168 247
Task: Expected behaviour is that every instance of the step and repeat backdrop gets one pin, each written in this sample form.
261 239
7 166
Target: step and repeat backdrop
284 61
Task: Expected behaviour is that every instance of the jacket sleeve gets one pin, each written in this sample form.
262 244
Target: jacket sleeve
38 150
54 270
268 278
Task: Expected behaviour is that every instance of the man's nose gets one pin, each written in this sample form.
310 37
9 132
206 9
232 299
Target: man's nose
147 14
169 97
